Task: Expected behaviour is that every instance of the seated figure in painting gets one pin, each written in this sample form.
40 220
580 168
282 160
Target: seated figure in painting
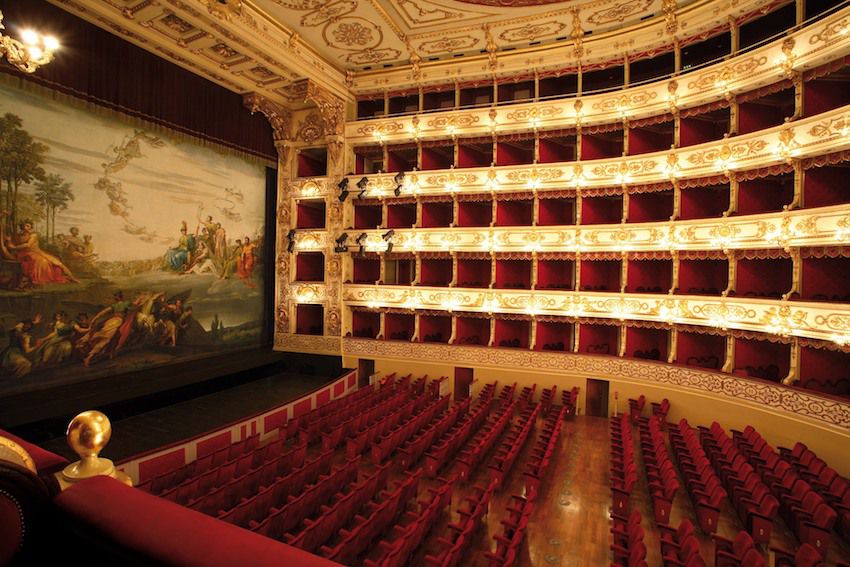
77 252
37 265
15 358
177 258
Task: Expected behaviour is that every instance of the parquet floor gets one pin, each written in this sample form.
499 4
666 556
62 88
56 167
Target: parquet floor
570 524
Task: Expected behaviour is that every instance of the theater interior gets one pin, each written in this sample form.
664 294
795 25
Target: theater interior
425 283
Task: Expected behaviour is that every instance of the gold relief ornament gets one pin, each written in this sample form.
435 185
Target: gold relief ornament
619 12
279 117
224 9
87 435
491 47
333 323
577 34
830 32
671 21
530 32
12 452
310 128
831 127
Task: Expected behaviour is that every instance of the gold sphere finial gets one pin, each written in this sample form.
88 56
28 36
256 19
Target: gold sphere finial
87 435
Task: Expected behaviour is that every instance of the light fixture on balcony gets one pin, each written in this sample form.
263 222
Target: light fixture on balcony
363 185
399 183
343 189
388 238
361 242
290 236
31 52
341 245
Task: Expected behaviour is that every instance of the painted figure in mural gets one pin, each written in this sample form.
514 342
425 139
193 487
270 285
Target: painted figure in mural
247 259
15 359
232 259
56 347
219 243
39 266
177 257
113 317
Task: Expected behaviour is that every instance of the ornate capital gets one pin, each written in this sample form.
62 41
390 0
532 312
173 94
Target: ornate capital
278 116
331 107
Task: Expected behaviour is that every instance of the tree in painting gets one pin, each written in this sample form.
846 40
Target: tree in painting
119 250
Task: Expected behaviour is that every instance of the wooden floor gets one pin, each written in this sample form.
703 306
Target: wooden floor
570 524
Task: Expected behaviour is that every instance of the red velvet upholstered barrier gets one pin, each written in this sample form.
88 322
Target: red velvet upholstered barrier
45 461
170 534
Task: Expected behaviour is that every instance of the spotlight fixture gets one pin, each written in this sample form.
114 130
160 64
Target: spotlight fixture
389 247
343 189
399 183
363 185
291 234
388 235
291 246
359 240
341 243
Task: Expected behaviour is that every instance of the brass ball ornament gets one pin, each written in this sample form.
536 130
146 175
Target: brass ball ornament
87 435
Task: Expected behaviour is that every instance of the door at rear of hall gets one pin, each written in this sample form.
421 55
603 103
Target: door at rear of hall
596 398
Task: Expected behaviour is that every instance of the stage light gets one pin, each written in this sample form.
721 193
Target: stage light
359 240
399 178
341 245
389 247
291 246
388 234
363 185
291 234
343 184
397 191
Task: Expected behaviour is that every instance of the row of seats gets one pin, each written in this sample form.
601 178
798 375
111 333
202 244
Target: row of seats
541 455
460 537
627 546
701 482
660 475
385 445
507 452
176 476
413 449
484 440
233 472
293 425
449 444
802 508
526 397
636 407
513 532
751 498
740 552
569 399
832 486
547 398
345 417
234 482
332 518
409 533
284 517
622 457
680 547
365 420
400 410
378 516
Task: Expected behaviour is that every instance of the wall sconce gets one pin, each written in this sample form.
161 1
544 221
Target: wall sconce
31 52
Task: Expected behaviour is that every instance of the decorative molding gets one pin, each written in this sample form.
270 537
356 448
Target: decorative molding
765 65
824 226
813 136
308 343
815 320
278 116
826 412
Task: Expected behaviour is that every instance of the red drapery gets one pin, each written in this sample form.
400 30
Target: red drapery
100 68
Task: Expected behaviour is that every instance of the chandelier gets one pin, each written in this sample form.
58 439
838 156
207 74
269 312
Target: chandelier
31 52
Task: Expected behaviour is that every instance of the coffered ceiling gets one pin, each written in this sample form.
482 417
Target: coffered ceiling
358 34
358 46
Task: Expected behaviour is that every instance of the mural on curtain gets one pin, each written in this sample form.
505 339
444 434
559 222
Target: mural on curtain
119 248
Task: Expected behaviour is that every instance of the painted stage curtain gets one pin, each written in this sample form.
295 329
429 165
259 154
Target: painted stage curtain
100 68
